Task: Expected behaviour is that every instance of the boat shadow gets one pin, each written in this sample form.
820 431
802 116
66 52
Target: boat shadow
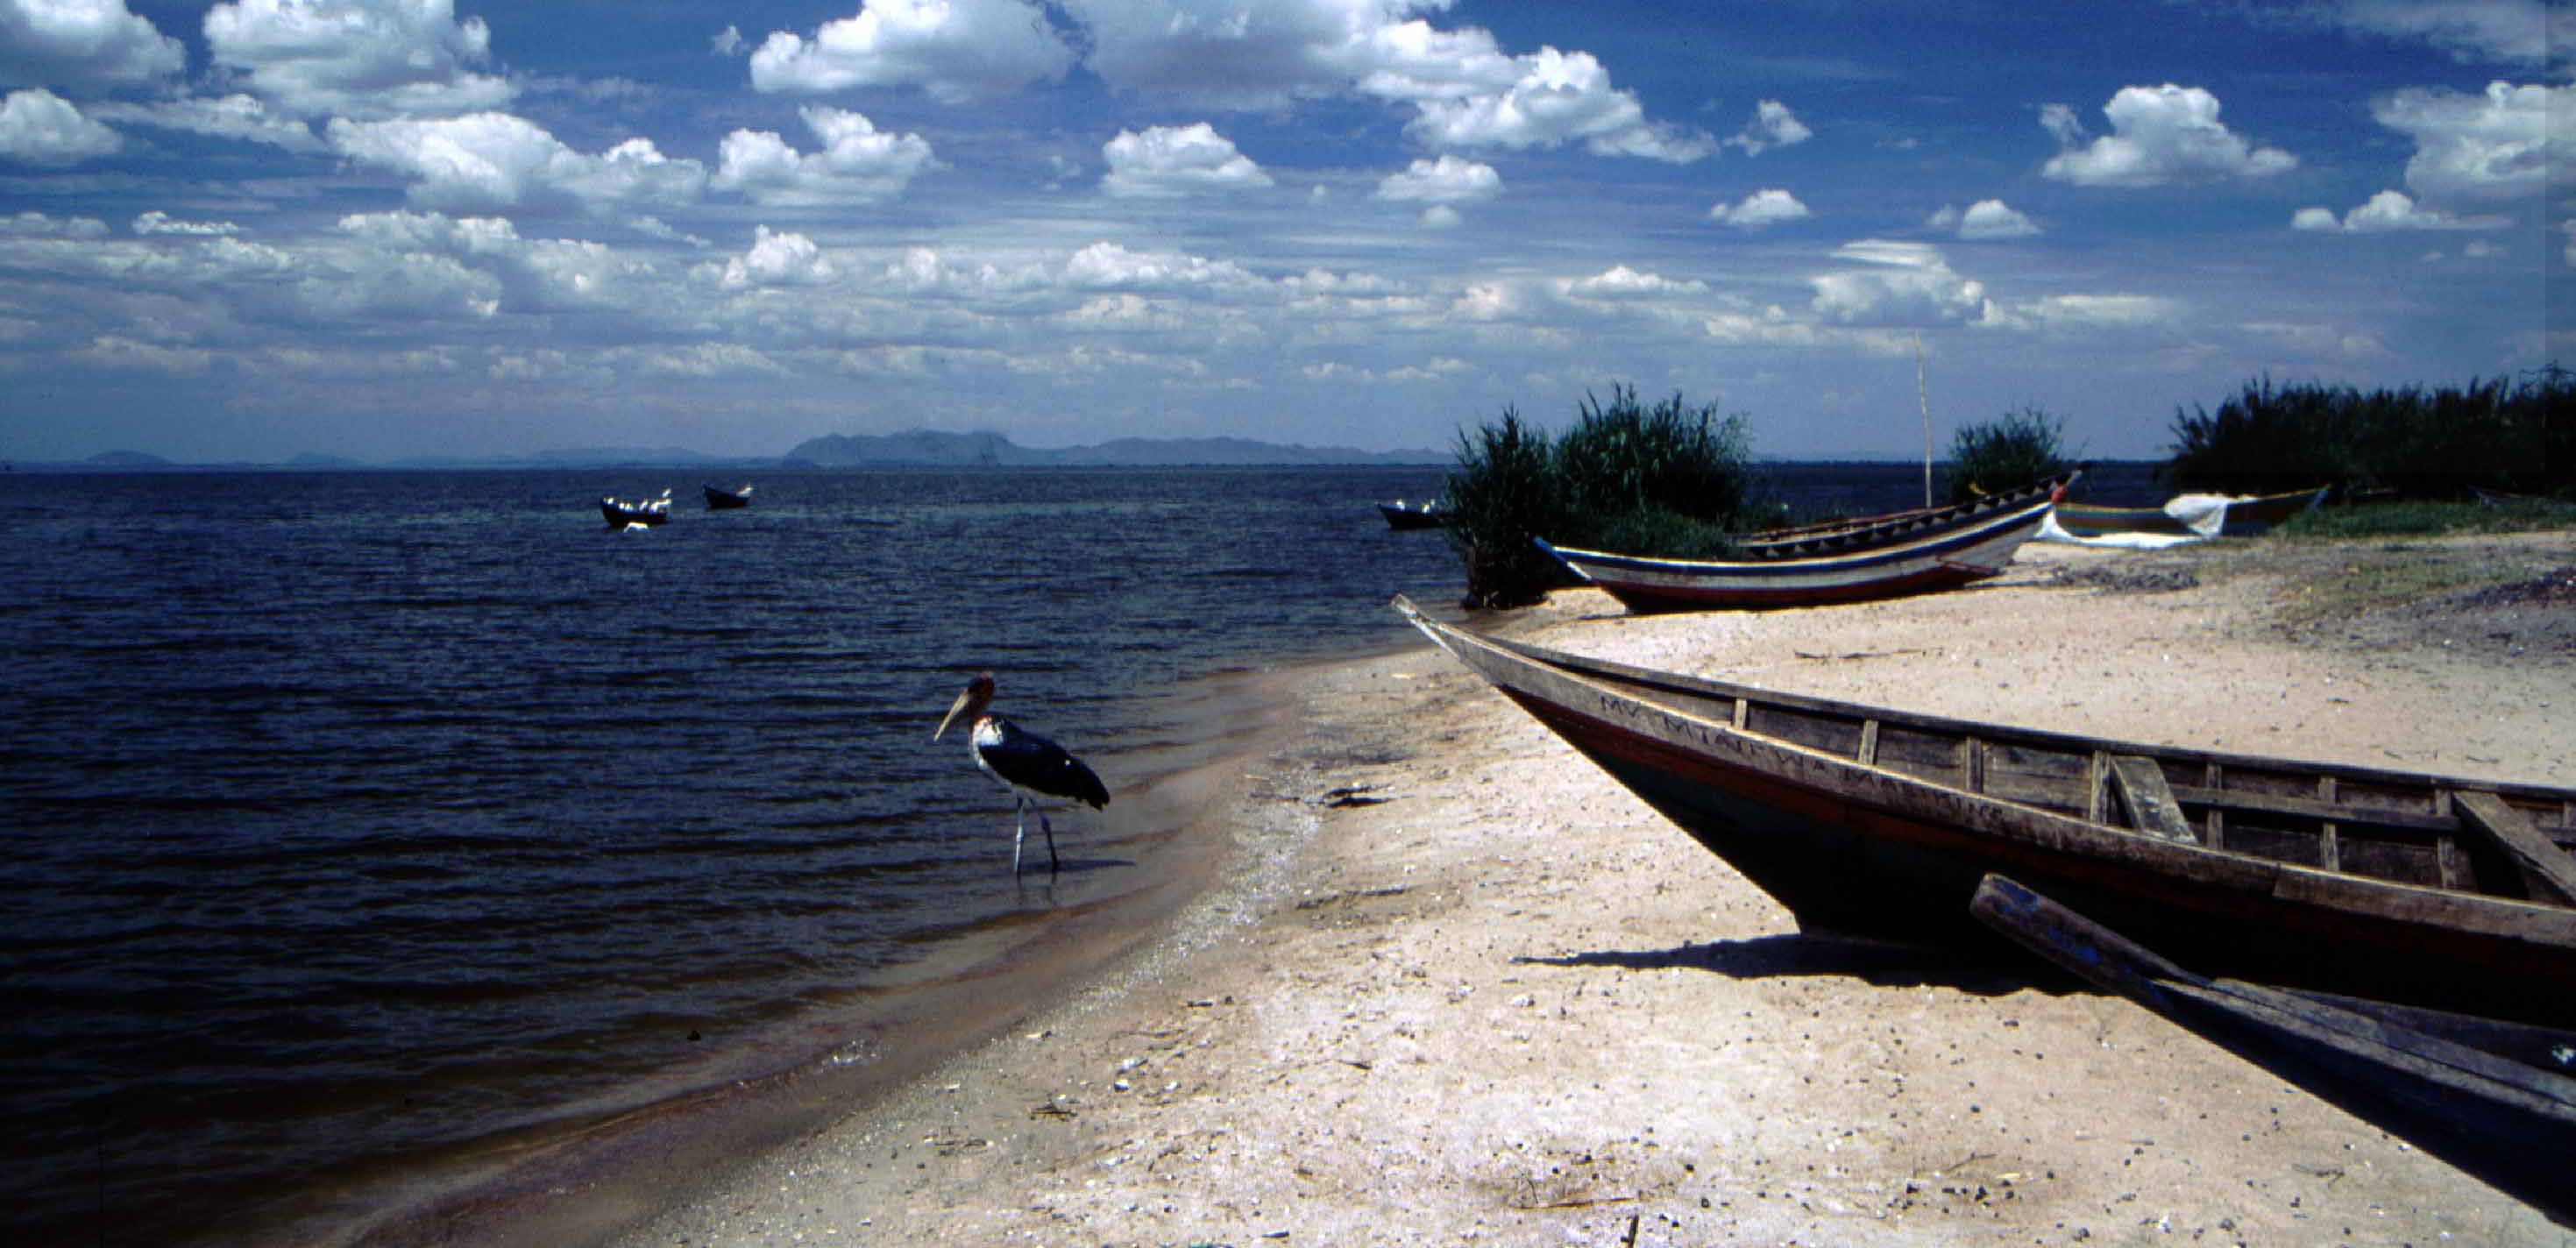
1886 964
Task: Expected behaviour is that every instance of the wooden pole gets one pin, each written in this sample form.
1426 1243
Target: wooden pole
1923 395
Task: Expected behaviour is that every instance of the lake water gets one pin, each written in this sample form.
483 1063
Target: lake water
353 820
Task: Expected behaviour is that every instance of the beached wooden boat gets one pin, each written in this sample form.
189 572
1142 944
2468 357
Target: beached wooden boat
2188 518
2495 1098
620 512
2406 887
1886 557
1404 515
1891 528
721 499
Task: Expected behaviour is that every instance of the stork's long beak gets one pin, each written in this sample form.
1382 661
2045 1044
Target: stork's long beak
961 708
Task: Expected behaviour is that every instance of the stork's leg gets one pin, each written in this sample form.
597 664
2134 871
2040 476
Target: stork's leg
1020 806
1043 826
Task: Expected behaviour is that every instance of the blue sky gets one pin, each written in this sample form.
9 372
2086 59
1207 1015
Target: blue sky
390 228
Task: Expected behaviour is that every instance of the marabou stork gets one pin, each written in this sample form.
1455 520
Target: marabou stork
1030 766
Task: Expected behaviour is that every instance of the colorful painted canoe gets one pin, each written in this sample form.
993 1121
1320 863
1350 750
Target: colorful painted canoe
2420 889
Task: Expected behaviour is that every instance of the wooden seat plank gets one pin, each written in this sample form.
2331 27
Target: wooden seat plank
2148 799
2546 868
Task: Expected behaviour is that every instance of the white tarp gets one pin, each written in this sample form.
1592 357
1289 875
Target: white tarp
2050 531
2204 514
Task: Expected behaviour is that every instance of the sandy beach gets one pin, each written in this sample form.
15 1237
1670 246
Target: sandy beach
1456 986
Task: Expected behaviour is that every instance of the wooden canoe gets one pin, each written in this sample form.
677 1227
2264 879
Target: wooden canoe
1964 544
620 512
1867 532
1403 515
2497 1099
2413 888
2252 514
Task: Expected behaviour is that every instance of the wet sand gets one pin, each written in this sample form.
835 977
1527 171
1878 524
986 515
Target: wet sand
1490 997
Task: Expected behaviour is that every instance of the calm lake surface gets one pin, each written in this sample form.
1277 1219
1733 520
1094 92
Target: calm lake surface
350 819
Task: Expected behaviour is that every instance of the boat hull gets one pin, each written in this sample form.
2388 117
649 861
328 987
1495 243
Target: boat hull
1868 850
2245 516
621 514
1942 560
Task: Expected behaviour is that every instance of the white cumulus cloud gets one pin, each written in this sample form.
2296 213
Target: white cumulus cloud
1447 180
779 258
2391 210
1984 221
858 163
2499 144
495 160
2159 136
1557 98
1621 282
38 127
955 50
1167 161
82 45
1760 210
359 59
1773 125
1905 284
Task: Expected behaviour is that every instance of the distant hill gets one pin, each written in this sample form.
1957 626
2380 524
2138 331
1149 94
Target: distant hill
912 448
934 447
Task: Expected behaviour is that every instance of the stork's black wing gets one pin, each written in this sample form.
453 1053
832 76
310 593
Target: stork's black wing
1034 763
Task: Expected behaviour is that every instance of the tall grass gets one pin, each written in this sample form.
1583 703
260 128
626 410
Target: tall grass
1668 479
2005 453
2490 434
1502 491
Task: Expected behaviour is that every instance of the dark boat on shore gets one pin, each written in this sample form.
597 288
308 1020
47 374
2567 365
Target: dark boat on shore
1403 515
722 499
2497 1099
1906 552
2427 890
620 513
2234 516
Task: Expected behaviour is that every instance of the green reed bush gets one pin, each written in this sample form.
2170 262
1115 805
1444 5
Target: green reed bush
2414 442
1502 491
2005 453
1669 480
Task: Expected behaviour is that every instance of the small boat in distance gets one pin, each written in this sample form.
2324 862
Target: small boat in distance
2496 1099
620 513
2191 515
720 498
1908 552
1403 515
2427 890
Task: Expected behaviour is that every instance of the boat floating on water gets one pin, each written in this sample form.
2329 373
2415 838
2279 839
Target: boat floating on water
1404 515
2436 891
720 498
620 513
